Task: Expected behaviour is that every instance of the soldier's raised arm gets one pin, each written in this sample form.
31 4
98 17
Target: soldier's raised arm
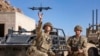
39 26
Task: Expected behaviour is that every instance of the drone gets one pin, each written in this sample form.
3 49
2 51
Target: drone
40 8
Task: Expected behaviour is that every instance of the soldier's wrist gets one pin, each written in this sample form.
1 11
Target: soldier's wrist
40 21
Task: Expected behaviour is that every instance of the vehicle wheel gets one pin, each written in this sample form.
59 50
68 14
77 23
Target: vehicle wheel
92 51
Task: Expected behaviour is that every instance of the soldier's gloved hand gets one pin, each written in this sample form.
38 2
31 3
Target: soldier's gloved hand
80 51
40 15
51 53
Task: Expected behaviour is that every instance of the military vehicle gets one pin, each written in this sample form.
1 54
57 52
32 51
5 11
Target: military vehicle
93 32
17 42
59 42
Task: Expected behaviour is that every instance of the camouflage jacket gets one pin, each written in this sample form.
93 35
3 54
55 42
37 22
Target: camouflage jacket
74 43
43 40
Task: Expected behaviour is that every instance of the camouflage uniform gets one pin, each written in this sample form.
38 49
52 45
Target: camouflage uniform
42 45
75 43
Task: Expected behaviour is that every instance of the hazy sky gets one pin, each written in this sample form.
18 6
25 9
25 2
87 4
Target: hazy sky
65 14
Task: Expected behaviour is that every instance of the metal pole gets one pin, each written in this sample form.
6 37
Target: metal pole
92 20
96 19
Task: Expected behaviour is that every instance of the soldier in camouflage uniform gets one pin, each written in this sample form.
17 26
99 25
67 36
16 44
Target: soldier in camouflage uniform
43 43
76 44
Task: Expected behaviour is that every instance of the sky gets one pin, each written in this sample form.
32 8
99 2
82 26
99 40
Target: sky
65 14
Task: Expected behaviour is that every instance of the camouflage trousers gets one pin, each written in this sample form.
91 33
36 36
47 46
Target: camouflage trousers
33 51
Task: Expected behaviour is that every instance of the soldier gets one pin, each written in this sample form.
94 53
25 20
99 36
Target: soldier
43 44
76 44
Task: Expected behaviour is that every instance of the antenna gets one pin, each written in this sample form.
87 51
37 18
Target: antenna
97 19
93 20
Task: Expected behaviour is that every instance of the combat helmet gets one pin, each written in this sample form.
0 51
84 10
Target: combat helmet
78 27
48 24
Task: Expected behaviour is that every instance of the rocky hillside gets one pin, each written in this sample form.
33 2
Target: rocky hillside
5 6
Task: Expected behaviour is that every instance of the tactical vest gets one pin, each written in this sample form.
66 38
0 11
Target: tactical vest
76 43
44 43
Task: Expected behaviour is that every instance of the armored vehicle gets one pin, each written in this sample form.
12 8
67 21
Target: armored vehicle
93 32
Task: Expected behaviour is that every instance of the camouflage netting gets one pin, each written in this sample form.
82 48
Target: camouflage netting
5 6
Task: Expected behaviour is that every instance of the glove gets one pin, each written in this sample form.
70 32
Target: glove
51 53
